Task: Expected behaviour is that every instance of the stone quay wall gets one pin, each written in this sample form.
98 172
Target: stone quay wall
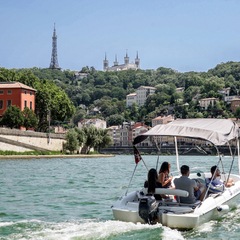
20 141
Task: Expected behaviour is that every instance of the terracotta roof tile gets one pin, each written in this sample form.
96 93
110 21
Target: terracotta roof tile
15 85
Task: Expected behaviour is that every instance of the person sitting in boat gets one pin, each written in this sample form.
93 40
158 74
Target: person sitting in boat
217 184
151 184
163 176
196 192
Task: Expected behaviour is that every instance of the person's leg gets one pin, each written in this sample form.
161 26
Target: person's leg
199 194
202 189
230 182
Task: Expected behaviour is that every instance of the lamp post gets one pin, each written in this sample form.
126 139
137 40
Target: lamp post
49 125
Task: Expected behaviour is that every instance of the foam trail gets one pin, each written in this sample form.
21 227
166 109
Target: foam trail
171 234
87 229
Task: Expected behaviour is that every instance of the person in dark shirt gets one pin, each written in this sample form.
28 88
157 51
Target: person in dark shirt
151 184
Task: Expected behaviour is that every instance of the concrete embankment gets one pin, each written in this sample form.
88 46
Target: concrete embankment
4 157
22 141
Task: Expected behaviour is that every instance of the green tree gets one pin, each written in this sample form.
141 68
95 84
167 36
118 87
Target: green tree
12 117
79 115
237 113
30 119
71 141
134 111
104 139
80 136
115 119
91 137
50 97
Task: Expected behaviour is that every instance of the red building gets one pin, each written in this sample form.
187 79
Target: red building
18 94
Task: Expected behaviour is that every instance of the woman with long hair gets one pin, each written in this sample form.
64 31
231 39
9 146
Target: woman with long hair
163 176
152 183
152 180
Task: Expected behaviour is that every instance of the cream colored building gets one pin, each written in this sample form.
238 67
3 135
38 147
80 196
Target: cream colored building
132 97
95 122
143 92
140 96
162 120
205 102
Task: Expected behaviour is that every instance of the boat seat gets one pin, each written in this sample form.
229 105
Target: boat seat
168 191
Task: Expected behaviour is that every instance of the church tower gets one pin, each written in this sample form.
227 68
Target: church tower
54 59
116 62
105 63
137 60
126 59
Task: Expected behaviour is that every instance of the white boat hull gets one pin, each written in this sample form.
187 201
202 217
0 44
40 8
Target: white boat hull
181 217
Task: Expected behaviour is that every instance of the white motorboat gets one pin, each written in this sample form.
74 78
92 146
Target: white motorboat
171 212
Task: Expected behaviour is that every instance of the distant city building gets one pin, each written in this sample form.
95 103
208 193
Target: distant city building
95 122
162 120
225 91
94 111
127 131
112 133
79 76
229 98
119 67
54 59
132 97
205 102
235 103
18 94
60 129
226 94
140 96
143 92
196 97
180 89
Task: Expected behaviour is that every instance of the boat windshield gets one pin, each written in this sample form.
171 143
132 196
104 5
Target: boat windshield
198 174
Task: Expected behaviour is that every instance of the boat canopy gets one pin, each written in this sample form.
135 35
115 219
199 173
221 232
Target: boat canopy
216 131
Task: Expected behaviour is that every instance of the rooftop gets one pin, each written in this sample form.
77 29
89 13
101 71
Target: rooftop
15 85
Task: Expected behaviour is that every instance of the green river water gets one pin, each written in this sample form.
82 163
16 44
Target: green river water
72 199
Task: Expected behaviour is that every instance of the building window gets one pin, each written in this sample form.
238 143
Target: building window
1 104
9 103
25 103
1 92
30 93
25 92
30 105
9 91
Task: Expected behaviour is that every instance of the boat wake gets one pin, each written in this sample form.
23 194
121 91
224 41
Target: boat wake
84 229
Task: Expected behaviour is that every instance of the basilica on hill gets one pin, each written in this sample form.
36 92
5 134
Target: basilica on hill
125 66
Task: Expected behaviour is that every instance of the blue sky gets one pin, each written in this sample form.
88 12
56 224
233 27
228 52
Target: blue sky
186 35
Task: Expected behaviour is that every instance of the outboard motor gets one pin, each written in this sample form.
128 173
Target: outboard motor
148 208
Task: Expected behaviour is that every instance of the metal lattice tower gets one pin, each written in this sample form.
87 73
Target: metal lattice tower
54 60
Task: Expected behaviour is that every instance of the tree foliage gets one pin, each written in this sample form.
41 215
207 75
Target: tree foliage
108 90
48 95
12 117
72 143
29 118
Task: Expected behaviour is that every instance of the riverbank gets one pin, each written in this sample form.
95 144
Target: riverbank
55 156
